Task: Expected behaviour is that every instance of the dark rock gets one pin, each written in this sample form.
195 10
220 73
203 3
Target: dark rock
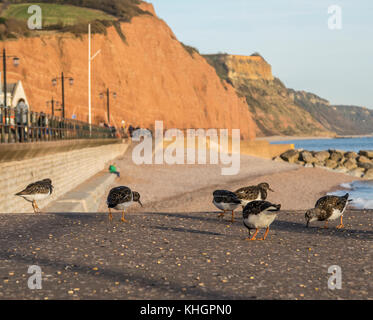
350 155
364 159
365 165
366 153
336 155
322 155
290 155
331 163
307 157
350 164
368 174
278 158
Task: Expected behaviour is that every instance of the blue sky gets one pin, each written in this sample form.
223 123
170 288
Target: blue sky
292 35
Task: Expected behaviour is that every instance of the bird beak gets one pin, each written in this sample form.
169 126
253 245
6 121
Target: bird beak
140 203
271 190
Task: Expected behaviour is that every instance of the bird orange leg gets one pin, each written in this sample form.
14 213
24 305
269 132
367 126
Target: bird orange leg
221 215
35 207
232 216
110 215
123 220
341 225
265 234
254 235
326 224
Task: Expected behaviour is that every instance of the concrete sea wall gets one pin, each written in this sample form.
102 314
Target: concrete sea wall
66 169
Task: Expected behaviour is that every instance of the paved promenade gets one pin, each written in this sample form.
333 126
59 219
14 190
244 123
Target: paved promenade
190 255
175 247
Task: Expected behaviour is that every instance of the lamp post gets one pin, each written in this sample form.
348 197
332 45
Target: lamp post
53 103
16 64
62 79
107 93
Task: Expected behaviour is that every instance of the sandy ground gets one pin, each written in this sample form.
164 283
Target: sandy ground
189 187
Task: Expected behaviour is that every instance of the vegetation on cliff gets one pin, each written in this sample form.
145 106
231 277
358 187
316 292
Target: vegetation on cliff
122 9
67 16
191 50
218 62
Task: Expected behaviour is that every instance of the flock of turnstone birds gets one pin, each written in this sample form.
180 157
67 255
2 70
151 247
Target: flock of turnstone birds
257 212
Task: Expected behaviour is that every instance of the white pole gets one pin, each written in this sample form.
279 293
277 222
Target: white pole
89 78
90 58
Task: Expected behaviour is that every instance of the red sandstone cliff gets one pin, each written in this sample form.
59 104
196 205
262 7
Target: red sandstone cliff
154 77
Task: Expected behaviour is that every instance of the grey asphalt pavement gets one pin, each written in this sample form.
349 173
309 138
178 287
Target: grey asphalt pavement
189 255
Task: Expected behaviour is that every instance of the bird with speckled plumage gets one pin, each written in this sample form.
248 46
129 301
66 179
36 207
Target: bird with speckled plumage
253 193
328 208
120 198
38 190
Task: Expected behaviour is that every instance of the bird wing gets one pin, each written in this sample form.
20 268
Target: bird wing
328 203
325 214
342 202
249 193
40 187
256 207
225 196
119 195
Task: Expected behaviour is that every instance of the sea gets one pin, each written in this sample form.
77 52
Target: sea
361 192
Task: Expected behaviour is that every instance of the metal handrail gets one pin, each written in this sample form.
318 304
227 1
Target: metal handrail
19 126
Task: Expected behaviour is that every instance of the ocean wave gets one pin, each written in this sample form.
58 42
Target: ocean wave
360 203
361 194
346 186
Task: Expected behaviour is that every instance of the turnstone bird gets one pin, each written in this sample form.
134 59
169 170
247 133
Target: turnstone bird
120 198
259 214
252 193
328 208
37 191
225 200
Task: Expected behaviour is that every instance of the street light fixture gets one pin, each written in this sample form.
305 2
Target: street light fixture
53 103
62 79
107 93
16 61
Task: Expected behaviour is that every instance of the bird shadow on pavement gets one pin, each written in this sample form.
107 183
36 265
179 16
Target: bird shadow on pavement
178 229
296 227
136 280
76 215
193 216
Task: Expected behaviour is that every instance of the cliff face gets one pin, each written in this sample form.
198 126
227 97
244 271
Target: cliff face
344 120
273 109
248 68
154 77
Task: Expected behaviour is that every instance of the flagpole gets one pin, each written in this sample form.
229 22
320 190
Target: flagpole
90 58
89 81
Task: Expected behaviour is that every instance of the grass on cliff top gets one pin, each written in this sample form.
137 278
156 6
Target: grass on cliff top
53 14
